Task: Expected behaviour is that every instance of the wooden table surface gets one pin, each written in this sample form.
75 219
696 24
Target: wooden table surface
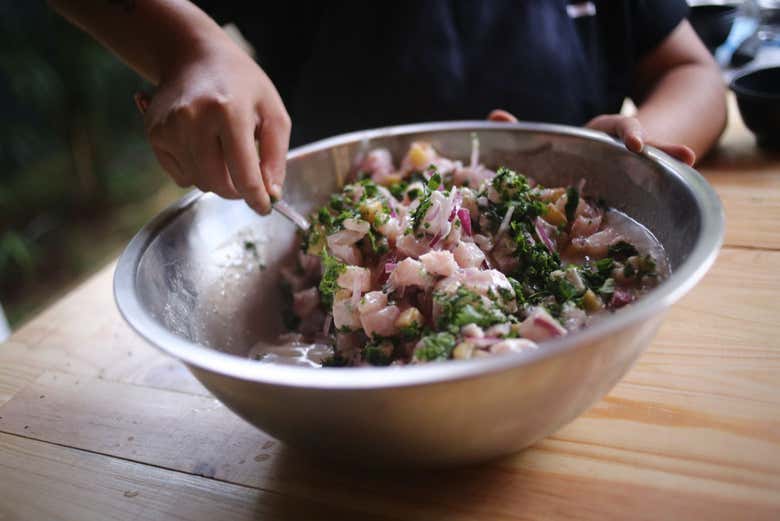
95 424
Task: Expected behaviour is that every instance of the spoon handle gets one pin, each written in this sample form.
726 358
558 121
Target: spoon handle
289 212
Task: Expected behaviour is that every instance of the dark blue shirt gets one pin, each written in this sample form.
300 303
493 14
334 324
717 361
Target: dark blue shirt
352 65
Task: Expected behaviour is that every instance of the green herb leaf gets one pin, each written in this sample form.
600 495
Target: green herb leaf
436 346
376 354
597 273
608 288
622 250
572 201
435 181
332 269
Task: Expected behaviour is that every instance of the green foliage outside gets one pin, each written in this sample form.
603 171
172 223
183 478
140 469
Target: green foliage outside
77 178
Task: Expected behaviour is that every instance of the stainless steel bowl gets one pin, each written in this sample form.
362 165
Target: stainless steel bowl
189 287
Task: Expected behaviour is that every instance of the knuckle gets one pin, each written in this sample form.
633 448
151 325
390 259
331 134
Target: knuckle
186 112
279 121
215 103
284 120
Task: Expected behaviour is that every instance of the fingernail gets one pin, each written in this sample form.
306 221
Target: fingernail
276 191
141 101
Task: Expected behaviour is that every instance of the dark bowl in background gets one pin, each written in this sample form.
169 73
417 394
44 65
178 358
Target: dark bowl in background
712 22
758 99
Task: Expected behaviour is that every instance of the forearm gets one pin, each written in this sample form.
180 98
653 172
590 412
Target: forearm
151 36
687 105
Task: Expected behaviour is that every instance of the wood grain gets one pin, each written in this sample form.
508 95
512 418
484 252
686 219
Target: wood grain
84 334
751 201
747 179
40 481
198 436
696 420
96 424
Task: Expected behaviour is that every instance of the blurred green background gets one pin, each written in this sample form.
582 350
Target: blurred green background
77 178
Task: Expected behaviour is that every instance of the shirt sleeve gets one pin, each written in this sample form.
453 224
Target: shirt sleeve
653 20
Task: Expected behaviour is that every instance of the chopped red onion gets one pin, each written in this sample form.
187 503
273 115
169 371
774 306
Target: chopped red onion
465 220
454 201
390 266
545 324
620 298
539 226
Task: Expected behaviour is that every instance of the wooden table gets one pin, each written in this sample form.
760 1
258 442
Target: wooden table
94 424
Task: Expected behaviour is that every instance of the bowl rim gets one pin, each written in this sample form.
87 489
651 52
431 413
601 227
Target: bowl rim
682 279
742 91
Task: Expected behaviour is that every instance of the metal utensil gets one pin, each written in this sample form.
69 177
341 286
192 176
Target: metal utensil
175 289
142 101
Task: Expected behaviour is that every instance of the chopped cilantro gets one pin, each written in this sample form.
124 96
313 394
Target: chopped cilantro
608 288
466 307
436 346
419 213
398 189
376 354
622 250
598 272
335 360
572 201
536 261
509 184
378 242
413 330
646 267
332 268
435 181
562 289
369 189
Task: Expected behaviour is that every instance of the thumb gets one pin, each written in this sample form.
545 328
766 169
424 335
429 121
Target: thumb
502 115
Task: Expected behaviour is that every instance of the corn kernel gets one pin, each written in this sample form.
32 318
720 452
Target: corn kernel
463 351
592 302
554 216
409 317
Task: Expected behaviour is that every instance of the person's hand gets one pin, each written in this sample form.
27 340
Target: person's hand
626 128
205 118
629 131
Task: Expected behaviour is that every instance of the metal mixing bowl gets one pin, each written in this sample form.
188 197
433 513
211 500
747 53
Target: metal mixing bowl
187 284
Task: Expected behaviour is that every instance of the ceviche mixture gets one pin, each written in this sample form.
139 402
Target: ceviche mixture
433 259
